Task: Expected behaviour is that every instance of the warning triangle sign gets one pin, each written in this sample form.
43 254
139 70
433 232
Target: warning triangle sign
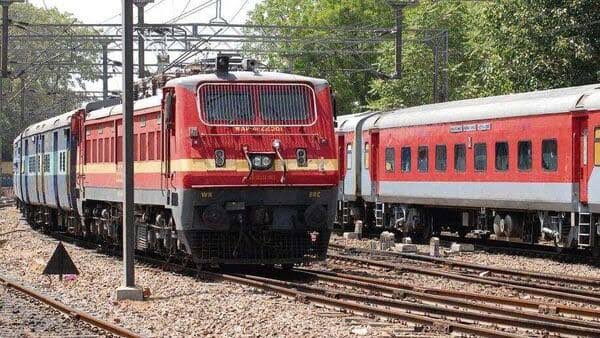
60 263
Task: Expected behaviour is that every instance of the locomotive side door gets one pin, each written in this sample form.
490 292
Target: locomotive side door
581 155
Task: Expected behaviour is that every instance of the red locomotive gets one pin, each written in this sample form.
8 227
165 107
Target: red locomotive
518 166
230 167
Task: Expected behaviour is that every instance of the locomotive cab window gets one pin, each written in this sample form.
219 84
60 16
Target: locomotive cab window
549 155
285 104
390 159
502 156
405 161
525 155
440 157
423 159
480 157
228 105
460 157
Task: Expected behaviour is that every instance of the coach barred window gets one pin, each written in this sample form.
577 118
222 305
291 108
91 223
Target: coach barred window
440 157
480 157
549 155
502 156
597 147
525 155
390 159
423 159
405 159
460 157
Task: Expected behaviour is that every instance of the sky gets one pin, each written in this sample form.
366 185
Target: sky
107 11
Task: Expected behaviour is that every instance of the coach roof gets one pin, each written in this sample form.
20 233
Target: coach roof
191 82
52 123
534 103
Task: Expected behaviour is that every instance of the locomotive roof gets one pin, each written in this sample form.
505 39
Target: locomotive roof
534 103
191 82
52 123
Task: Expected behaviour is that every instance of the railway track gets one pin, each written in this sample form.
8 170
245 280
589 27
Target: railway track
491 272
439 309
530 287
43 312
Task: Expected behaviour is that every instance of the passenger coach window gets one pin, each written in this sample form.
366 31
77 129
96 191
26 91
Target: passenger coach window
349 156
405 159
390 159
524 155
423 159
549 155
440 157
460 157
502 156
480 157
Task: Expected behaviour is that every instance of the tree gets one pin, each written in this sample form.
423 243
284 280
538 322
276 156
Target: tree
495 47
317 51
44 66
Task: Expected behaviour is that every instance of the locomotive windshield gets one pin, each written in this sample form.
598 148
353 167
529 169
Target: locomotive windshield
255 104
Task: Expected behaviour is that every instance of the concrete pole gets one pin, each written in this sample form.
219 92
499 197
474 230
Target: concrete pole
129 290
398 62
104 71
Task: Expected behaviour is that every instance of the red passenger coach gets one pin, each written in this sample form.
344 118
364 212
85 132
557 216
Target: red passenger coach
517 166
230 167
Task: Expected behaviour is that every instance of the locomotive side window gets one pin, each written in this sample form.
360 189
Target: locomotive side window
349 156
525 155
390 159
549 155
423 159
597 147
367 156
460 157
480 157
502 156
440 157
405 161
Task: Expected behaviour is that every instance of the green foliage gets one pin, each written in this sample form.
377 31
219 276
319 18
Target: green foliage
47 65
495 47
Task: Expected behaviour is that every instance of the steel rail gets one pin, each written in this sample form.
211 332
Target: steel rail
512 321
401 291
76 314
505 271
536 289
542 307
279 287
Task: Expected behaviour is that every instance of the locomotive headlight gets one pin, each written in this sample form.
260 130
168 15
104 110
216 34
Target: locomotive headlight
261 162
266 162
219 158
301 157
257 162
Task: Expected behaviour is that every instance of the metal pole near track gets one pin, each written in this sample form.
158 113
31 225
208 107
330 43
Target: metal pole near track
141 49
129 290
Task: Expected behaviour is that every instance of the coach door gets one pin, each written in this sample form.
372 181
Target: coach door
374 162
581 155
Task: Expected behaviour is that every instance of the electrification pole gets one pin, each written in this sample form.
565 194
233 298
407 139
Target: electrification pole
105 70
398 6
129 290
141 43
